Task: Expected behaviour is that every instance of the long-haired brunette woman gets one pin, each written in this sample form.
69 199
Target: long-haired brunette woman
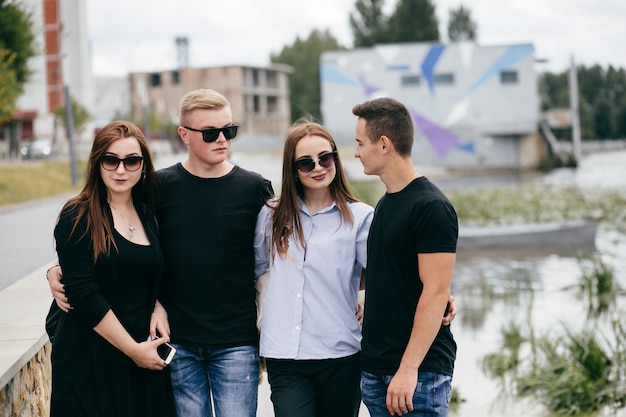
107 245
317 231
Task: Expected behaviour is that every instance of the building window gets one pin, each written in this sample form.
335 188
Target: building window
272 79
398 68
446 78
410 80
257 104
272 105
175 77
155 79
508 77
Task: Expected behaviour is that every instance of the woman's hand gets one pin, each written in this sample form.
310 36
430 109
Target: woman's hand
145 354
451 312
359 314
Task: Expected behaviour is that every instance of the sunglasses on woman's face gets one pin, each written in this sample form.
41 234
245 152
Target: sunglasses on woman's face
211 135
306 165
131 163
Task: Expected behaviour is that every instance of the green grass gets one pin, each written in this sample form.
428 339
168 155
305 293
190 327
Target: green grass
368 191
523 204
572 373
539 203
26 181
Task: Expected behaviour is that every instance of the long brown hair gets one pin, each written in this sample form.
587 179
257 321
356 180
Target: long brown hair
91 202
286 216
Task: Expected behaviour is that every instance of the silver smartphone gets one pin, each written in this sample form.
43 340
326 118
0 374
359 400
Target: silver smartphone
165 351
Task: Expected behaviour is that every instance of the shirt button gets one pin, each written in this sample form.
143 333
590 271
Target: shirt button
299 295
298 327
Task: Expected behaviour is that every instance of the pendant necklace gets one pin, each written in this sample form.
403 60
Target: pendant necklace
131 228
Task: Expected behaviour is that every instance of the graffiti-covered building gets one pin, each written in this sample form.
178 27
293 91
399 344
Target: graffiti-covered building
473 106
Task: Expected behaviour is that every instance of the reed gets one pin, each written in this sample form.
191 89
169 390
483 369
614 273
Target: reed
572 373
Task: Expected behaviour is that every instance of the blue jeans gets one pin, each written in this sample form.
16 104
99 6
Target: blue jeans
431 396
228 378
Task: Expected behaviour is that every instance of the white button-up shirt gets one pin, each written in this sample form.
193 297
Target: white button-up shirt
312 296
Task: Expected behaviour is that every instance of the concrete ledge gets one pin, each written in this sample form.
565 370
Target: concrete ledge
23 309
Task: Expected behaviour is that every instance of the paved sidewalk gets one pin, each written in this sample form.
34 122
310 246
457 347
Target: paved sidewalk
23 309
26 240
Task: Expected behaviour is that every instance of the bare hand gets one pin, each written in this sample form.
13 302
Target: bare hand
159 323
359 313
451 312
54 276
146 356
400 391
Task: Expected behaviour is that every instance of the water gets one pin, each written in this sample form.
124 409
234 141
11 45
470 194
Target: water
495 289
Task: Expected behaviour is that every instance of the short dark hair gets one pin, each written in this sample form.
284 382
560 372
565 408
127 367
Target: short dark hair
387 116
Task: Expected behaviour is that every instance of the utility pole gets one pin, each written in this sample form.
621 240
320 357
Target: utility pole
69 123
69 114
573 104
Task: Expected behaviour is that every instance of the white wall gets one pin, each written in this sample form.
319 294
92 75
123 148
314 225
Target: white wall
474 120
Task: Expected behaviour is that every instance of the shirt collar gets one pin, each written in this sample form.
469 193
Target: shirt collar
305 209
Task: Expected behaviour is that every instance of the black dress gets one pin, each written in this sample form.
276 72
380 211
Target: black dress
90 377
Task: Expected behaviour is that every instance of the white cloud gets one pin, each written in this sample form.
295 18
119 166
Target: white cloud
139 34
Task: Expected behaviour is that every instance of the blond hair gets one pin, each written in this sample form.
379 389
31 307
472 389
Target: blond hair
202 98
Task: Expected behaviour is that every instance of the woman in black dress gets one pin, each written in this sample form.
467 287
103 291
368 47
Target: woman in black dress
107 244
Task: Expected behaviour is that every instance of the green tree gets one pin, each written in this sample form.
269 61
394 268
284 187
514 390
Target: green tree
9 86
16 35
597 89
414 21
80 116
368 22
461 27
603 117
304 83
620 128
17 46
553 90
17 41
591 83
616 85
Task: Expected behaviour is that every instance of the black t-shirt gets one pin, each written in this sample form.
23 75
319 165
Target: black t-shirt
417 219
207 233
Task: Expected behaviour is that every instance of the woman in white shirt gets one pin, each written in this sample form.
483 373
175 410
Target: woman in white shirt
317 231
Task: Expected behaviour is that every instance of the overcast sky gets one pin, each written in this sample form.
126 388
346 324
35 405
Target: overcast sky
138 35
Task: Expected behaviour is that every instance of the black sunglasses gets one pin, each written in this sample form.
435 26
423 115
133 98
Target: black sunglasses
131 163
306 165
211 135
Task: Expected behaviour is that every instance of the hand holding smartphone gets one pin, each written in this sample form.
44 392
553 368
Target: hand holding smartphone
165 351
